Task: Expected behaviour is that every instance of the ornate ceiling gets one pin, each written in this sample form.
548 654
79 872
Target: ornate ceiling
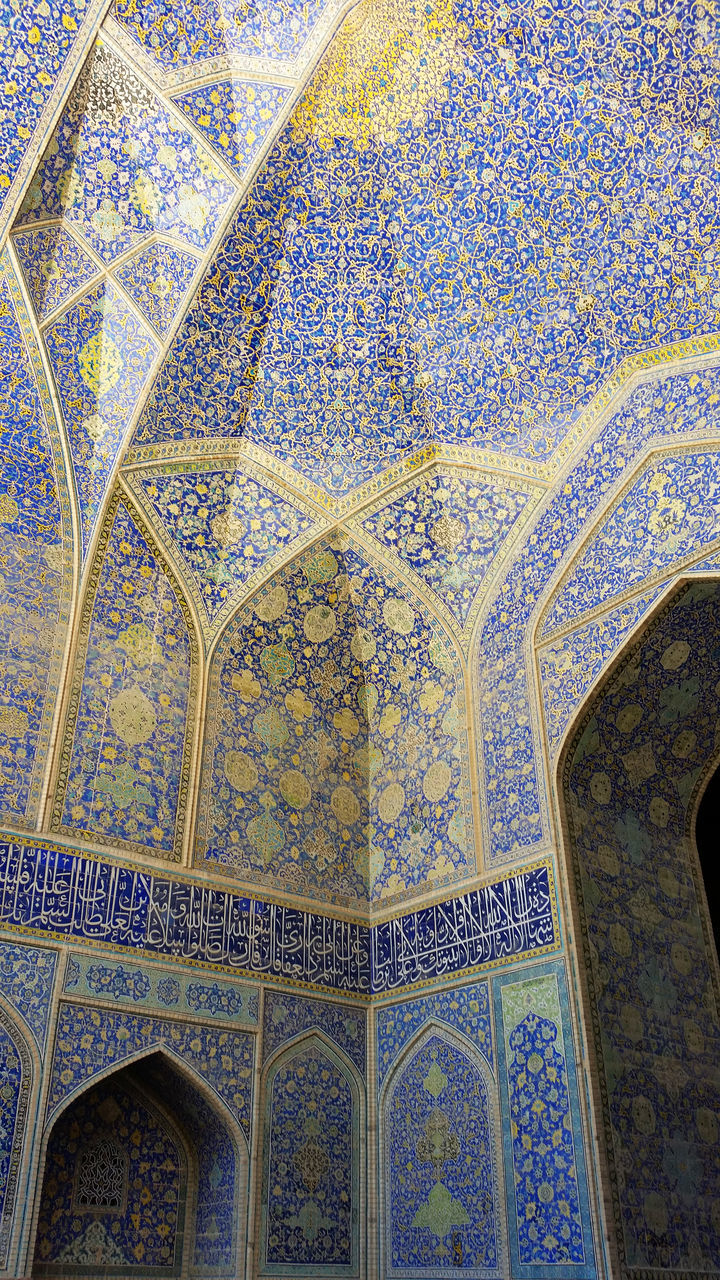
309 310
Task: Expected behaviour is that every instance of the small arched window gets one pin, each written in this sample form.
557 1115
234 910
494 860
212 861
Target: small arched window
101 1176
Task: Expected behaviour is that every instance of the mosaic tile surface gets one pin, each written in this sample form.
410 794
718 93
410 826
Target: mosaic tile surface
27 976
123 765
670 407
17 1080
465 1008
569 665
175 990
235 116
143 1230
286 1016
441 1197
183 34
119 167
418 288
35 566
335 763
450 528
547 1198
310 1185
34 50
89 1041
54 266
158 279
101 358
629 784
225 524
673 507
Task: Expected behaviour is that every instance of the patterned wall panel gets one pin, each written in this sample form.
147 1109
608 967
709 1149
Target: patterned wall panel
286 1016
54 265
182 34
175 989
34 54
439 1165
544 1160
27 977
225 526
158 279
336 759
36 565
629 780
671 407
449 529
89 1041
101 356
14 1098
467 1009
119 166
114 1189
672 508
235 116
311 1166
124 763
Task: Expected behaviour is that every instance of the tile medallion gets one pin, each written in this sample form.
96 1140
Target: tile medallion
101 357
120 167
123 773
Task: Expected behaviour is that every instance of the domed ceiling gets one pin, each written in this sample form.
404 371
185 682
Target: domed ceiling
306 307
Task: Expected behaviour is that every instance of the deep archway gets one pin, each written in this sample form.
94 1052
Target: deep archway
142 1176
707 839
629 777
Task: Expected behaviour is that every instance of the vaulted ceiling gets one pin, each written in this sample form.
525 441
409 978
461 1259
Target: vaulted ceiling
306 305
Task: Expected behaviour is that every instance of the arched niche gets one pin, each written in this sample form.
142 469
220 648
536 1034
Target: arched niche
440 1161
129 1115
628 778
19 1069
313 1172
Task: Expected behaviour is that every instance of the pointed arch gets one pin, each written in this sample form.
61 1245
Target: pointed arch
316 1158
21 1074
472 1127
220 1164
130 725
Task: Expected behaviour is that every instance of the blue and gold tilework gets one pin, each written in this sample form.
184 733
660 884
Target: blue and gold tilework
629 787
310 1186
123 767
671 509
422 267
336 750
158 279
286 1016
178 35
139 1225
120 166
27 975
224 524
671 407
35 46
17 1081
88 1041
441 1188
544 1162
54 265
35 561
101 356
467 1009
235 116
450 528
169 991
